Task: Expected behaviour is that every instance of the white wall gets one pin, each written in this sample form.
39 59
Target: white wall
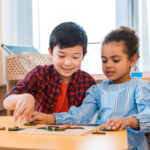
16 24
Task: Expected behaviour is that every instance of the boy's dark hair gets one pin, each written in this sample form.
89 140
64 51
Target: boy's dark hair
128 36
68 34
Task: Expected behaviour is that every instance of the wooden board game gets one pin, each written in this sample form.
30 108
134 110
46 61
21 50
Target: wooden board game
60 129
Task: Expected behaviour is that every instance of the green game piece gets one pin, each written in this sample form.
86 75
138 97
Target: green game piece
16 128
29 124
51 128
43 128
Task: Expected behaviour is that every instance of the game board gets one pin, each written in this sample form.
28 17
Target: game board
63 130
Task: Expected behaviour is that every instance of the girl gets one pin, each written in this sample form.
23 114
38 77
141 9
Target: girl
122 101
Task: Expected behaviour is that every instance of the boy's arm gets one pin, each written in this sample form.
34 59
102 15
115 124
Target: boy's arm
9 102
28 84
22 104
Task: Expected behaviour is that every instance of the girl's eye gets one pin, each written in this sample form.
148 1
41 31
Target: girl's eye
116 61
104 61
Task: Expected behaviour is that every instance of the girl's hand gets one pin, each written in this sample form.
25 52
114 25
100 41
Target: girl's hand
24 106
122 122
40 117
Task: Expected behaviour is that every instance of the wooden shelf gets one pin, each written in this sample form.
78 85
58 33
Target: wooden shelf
100 77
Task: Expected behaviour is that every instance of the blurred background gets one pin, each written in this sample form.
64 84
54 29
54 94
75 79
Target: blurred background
30 22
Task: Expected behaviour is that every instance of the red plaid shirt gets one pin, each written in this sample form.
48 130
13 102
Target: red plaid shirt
44 83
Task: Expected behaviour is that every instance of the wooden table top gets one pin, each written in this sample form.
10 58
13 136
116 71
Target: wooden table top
12 140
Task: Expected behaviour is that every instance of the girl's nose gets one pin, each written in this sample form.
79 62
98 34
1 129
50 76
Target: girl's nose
109 64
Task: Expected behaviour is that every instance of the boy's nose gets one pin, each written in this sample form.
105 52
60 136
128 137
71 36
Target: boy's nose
67 61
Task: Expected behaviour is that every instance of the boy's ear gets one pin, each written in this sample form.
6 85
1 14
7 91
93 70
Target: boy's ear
50 52
134 59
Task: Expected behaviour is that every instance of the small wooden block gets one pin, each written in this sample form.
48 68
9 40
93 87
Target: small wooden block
98 132
76 128
106 129
67 126
2 128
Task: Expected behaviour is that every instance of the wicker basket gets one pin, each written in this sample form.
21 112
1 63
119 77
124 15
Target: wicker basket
17 66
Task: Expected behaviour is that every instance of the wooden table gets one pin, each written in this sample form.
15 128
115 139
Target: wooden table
116 140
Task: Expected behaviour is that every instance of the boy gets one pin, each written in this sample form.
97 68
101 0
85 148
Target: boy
56 87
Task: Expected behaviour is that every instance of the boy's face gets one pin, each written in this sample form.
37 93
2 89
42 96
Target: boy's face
67 61
115 62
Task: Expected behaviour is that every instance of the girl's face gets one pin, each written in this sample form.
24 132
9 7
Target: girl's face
67 61
115 62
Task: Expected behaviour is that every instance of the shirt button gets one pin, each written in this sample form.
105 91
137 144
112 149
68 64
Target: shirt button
52 105
59 81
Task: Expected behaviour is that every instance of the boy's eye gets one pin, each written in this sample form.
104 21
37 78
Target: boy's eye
75 57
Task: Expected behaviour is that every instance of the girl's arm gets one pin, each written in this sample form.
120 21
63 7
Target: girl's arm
82 114
139 120
121 122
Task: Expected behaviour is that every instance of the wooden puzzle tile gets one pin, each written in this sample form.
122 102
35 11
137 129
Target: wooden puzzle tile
2 128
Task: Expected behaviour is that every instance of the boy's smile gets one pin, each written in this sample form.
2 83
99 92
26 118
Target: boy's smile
67 61
67 70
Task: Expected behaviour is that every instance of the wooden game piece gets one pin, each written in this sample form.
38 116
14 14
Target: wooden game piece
98 131
76 128
15 128
59 128
51 128
29 124
65 126
106 129
2 128
55 128
62 129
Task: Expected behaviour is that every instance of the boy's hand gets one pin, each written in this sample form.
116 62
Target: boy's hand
122 122
40 117
24 107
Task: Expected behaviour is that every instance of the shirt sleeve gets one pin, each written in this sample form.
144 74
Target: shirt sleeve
142 96
28 84
83 113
